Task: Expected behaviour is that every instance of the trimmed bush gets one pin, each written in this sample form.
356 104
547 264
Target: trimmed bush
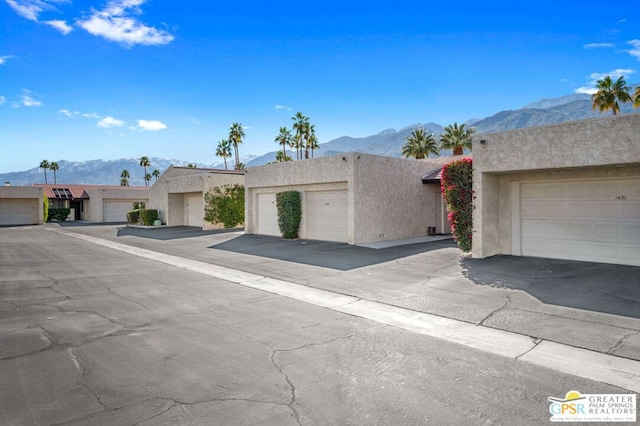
59 215
225 205
138 205
149 216
45 209
289 205
133 216
457 188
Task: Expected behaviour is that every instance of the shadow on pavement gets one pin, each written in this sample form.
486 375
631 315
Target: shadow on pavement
326 254
170 232
598 287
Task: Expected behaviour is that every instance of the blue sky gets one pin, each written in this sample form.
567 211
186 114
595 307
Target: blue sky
82 80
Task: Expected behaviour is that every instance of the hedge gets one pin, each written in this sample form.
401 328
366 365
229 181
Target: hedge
289 205
45 209
225 205
59 215
149 216
457 188
133 216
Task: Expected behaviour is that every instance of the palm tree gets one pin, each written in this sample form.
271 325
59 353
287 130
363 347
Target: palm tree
191 166
609 93
147 178
236 134
636 97
156 174
224 150
312 142
457 138
280 157
54 167
284 138
300 125
145 162
124 178
240 166
44 165
420 145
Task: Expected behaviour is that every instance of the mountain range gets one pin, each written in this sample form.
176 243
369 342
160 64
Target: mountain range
387 142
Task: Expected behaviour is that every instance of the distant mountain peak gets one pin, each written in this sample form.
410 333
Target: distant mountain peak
550 103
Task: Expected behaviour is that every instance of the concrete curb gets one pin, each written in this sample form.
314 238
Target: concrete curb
588 364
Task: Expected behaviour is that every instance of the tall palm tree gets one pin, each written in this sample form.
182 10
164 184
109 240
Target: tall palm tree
124 178
457 138
54 167
145 162
420 145
236 134
147 178
284 138
156 174
191 166
312 142
44 165
609 93
636 97
300 125
224 150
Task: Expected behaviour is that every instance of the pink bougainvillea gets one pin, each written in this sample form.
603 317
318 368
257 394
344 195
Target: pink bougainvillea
457 188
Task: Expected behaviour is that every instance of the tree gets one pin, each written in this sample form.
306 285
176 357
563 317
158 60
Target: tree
457 138
236 134
124 178
147 178
300 125
312 142
636 97
280 157
44 165
284 138
156 174
420 145
609 93
191 166
145 162
54 167
239 166
224 150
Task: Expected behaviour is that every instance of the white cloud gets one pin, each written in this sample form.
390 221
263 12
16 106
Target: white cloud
27 100
92 115
635 50
2 100
594 77
109 122
68 113
3 59
279 107
151 125
597 45
59 25
115 23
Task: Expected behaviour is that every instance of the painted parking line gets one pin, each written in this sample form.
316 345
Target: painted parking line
591 365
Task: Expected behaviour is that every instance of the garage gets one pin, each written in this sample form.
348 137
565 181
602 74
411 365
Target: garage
326 215
19 211
268 215
194 209
589 220
116 210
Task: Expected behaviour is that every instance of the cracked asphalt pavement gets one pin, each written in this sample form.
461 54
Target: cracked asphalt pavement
94 336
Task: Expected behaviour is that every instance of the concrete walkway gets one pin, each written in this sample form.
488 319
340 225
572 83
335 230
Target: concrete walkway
560 356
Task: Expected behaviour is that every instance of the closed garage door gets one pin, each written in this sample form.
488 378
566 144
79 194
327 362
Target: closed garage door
116 211
267 215
194 208
326 215
19 211
596 221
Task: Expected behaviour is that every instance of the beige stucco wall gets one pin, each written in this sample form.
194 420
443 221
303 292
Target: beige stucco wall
167 193
589 149
94 207
386 198
25 193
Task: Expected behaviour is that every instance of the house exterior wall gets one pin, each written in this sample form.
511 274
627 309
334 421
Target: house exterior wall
598 148
94 207
25 192
385 196
167 193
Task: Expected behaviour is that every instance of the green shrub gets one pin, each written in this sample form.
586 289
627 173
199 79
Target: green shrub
457 188
225 205
59 215
133 216
149 216
289 207
138 205
45 208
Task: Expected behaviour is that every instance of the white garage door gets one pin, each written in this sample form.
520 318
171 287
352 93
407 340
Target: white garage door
18 211
326 215
194 209
596 221
116 211
268 215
